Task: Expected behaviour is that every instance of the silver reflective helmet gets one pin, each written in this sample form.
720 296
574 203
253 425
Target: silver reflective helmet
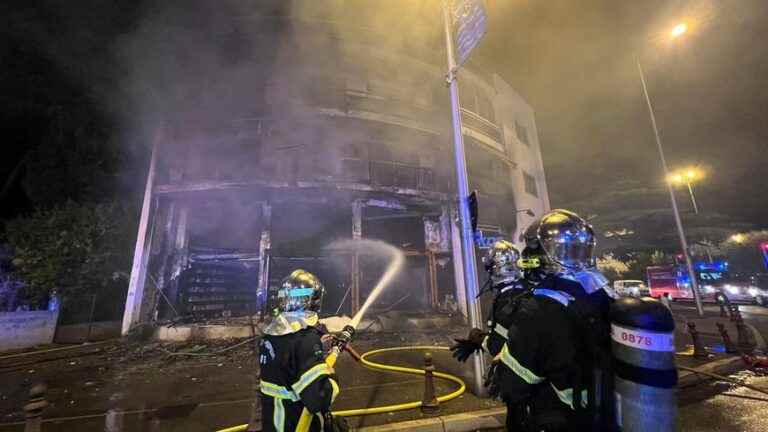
501 263
564 238
301 291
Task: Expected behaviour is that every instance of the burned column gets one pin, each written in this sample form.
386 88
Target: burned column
357 233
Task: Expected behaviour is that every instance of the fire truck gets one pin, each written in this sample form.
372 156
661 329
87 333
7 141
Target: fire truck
715 282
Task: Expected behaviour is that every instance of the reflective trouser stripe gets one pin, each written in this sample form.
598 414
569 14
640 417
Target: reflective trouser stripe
566 396
305 421
310 376
521 371
335 388
278 418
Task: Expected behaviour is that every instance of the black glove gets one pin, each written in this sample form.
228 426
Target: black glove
466 347
335 423
342 339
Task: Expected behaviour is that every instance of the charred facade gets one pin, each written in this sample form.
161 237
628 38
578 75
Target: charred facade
316 125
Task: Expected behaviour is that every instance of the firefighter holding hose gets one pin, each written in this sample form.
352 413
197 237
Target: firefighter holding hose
552 329
294 374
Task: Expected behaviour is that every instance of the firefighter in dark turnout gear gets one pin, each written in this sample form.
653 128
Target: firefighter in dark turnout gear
542 363
563 243
294 374
504 279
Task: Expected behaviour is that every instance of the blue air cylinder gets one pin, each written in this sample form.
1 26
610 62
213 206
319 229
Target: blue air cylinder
645 376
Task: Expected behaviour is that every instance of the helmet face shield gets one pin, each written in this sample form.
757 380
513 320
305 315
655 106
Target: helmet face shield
501 263
567 240
299 292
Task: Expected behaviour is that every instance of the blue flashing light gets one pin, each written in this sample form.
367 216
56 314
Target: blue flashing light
719 265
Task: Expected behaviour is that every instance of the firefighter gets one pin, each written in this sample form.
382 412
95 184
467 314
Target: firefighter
542 370
504 279
563 243
294 374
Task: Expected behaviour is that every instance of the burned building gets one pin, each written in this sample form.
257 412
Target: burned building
289 125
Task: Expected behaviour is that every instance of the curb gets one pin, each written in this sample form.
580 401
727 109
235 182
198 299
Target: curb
724 366
493 418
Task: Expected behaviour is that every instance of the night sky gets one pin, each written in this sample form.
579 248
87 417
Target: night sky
572 60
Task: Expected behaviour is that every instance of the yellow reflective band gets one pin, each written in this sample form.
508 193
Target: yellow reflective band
305 421
276 391
335 388
310 376
528 263
566 396
517 368
501 331
278 418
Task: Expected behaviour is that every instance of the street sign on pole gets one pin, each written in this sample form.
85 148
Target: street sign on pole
469 26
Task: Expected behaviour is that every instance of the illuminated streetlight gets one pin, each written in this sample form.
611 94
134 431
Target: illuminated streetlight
678 30
738 238
686 177
675 179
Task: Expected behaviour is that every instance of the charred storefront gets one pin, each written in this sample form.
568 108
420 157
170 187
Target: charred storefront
295 131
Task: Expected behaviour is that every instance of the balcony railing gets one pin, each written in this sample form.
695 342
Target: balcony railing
393 174
475 122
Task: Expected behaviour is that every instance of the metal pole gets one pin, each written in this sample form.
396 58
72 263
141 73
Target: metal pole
135 296
90 318
693 198
468 247
678 222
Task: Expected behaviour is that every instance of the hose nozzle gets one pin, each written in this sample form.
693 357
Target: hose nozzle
344 337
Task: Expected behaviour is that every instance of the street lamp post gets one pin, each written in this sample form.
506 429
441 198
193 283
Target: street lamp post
678 221
687 177
693 197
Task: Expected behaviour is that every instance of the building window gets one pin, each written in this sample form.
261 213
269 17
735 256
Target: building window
522 133
530 184
475 100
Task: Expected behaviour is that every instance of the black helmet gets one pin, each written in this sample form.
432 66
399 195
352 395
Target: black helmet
301 291
501 263
564 239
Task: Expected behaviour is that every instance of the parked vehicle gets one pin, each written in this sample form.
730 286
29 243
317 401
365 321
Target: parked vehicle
631 288
715 282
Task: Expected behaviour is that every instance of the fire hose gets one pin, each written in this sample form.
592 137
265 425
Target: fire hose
364 359
397 261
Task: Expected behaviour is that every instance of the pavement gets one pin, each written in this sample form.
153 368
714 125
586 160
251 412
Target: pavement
124 386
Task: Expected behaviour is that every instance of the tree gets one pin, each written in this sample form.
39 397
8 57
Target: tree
744 252
640 261
77 250
611 267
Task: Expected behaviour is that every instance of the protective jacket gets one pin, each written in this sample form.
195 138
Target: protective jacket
294 374
544 368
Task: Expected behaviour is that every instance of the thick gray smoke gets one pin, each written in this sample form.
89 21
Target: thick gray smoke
248 91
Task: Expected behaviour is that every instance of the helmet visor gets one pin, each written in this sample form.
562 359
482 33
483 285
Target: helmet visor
572 255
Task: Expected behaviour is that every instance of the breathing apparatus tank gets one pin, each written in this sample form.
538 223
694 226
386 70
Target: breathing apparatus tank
645 376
